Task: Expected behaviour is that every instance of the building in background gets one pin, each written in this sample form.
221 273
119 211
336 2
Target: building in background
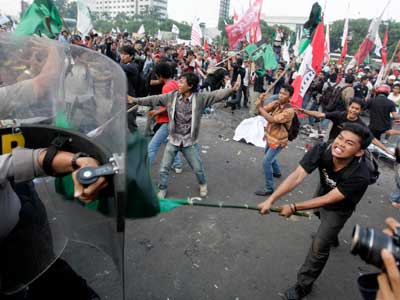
223 13
131 7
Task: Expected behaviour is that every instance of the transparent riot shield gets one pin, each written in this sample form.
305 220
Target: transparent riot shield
74 97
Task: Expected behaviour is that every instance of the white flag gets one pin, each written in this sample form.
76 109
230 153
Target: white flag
141 30
175 29
159 35
118 31
196 34
84 22
378 45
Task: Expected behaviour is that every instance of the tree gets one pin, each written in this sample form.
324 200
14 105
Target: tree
358 29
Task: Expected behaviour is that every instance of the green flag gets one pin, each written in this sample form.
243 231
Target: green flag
269 58
40 18
258 53
309 27
250 49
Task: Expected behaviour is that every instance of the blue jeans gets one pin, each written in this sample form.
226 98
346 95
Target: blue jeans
271 166
192 155
160 137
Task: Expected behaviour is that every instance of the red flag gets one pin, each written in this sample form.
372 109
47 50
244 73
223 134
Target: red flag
367 44
310 66
343 54
250 19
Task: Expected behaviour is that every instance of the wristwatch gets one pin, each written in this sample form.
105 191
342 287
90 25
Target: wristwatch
75 158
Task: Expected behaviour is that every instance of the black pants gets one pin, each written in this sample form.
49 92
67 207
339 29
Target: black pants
27 251
331 224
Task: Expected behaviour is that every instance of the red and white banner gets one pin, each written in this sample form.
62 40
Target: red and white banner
327 49
310 66
368 43
344 42
196 34
383 54
250 19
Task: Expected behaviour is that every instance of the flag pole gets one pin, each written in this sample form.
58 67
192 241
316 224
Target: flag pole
241 51
65 25
391 60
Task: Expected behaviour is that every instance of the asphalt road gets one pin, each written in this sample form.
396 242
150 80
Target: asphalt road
212 253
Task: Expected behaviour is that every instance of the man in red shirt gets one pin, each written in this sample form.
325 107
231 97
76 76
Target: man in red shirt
164 72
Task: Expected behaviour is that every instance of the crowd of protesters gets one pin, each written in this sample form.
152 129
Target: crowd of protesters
179 82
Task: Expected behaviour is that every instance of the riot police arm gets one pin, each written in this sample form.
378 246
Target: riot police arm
62 163
25 164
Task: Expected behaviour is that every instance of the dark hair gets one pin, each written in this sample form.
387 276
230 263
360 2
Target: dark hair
358 101
288 88
349 78
163 70
333 77
128 50
365 77
190 52
192 80
362 131
395 85
239 62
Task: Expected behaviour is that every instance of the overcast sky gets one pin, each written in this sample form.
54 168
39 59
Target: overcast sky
207 10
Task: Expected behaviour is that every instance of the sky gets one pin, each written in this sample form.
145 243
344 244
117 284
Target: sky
207 10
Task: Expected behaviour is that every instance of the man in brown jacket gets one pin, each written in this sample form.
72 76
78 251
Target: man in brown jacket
279 115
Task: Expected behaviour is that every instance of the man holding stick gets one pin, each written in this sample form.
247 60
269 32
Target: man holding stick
344 178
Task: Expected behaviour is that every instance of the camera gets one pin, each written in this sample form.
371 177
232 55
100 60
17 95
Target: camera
368 243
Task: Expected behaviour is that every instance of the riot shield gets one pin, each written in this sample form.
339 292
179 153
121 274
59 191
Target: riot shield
52 93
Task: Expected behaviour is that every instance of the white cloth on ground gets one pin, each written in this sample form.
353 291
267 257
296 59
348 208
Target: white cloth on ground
252 131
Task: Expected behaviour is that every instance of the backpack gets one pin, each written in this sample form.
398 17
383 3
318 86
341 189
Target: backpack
332 100
372 166
371 163
294 129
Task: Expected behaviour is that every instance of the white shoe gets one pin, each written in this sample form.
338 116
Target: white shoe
203 190
178 170
161 194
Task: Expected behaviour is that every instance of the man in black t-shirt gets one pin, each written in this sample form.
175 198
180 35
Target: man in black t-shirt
344 178
361 89
338 118
381 111
132 74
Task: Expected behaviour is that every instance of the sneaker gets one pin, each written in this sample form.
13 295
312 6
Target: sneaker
263 192
296 293
178 170
203 190
277 175
161 194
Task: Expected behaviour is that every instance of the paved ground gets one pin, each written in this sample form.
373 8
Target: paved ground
205 253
